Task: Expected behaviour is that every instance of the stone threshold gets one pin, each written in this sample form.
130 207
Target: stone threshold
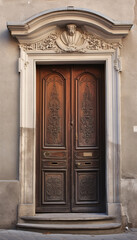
69 216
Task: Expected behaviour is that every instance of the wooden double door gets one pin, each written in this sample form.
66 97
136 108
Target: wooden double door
70 169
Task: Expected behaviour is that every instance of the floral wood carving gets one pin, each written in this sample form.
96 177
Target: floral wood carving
87 120
54 187
87 187
53 126
71 40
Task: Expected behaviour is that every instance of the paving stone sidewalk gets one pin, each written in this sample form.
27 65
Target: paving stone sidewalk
22 235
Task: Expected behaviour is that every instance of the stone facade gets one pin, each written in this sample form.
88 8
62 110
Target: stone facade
17 187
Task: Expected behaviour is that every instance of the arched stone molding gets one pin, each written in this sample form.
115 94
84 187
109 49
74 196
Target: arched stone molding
41 42
32 27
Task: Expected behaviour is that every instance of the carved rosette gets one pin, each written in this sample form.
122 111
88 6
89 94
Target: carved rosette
80 41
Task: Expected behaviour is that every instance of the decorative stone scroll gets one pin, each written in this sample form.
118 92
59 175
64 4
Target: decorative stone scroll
72 39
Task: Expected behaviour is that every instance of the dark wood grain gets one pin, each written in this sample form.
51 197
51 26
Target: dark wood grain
70 138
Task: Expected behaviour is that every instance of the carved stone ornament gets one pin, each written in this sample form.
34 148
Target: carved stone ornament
71 40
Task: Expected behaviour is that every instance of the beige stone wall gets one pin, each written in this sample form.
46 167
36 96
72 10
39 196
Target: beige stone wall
128 120
15 11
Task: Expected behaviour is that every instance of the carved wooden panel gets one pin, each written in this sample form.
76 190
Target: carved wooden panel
87 187
87 164
54 164
53 139
70 139
54 154
54 110
53 187
86 110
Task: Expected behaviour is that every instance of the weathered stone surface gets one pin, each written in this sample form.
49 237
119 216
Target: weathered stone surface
23 235
128 197
9 196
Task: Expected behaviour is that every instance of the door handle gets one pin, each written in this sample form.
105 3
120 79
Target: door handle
78 164
71 123
46 154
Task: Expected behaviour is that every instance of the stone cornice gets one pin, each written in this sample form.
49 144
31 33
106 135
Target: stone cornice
59 17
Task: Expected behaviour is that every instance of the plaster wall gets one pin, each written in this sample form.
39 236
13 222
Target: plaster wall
128 120
118 10
8 203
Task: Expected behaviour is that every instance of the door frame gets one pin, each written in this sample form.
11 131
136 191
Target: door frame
105 36
28 127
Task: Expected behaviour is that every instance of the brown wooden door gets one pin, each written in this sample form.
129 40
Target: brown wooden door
70 139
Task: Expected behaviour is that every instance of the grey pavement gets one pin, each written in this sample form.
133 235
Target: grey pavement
23 235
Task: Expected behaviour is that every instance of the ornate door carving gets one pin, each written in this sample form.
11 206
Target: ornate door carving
70 139
88 138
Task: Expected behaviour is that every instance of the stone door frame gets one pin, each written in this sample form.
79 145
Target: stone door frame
30 56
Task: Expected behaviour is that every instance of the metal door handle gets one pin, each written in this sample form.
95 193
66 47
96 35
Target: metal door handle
78 164
46 154
71 123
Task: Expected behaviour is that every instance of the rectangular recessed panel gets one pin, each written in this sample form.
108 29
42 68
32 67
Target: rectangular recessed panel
54 190
54 154
86 155
89 163
86 186
54 163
